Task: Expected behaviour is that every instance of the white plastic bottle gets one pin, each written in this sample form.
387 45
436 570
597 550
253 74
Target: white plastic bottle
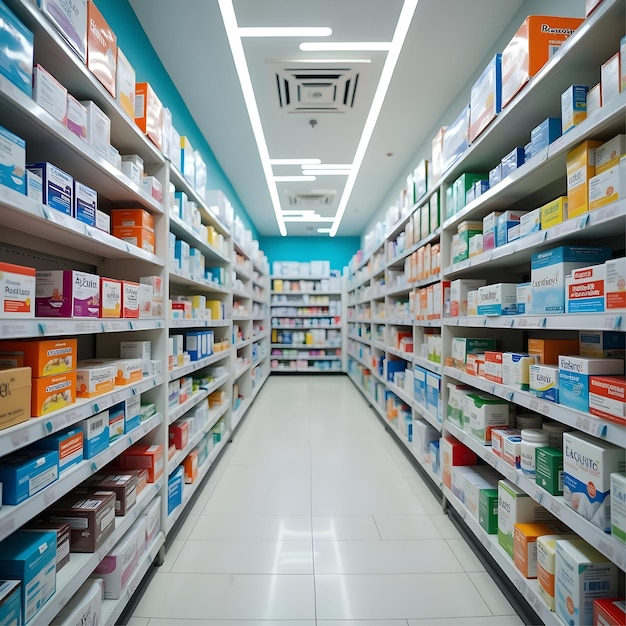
532 438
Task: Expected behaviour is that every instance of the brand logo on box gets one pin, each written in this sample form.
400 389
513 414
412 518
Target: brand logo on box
547 281
582 274
5 388
59 386
546 28
581 459
571 366
504 504
83 282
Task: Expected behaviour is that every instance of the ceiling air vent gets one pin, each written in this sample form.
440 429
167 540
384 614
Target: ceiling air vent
316 90
310 199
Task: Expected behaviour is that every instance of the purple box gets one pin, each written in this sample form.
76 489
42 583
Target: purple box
67 293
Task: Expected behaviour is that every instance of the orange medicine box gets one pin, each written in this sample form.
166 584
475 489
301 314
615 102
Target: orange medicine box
110 297
493 366
581 167
101 48
609 611
525 545
15 384
190 465
549 350
607 398
130 299
17 291
139 218
94 380
141 237
142 456
535 41
50 393
44 356
149 113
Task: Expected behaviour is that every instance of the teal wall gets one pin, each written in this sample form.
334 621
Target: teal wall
137 47
338 250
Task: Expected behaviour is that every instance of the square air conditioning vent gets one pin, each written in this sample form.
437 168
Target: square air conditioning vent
313 199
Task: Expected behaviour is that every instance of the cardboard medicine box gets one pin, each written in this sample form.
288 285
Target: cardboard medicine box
85 203
12 161
94 380
486 97
544 382
581 167
76 117
16 42
462 346
554 212
67 293
525 546
58 186
610 78
51 393
110 297
452 454
600 344
498 299
585 290
477 480
544 134
27 472
91 516
11 602
50 94
96 434
130 300
138 218
124 486
15 385
62 531
101 49
67 443
175 489
141 237
573 106
17 291
488 510
615 284
516 369
548 350
141 456
481 413
45 357
30 557
607 397
608 187
609 611
149 113
70 19
587 466
125 84
549 470
609 153
84 607
98 127
618 505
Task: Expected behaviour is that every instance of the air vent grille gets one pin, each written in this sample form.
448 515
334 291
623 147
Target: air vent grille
310 199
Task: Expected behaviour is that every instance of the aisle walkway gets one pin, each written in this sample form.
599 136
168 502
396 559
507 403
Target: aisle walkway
314 516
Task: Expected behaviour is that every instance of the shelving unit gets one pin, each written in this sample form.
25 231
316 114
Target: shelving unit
37 236
307 325
381 281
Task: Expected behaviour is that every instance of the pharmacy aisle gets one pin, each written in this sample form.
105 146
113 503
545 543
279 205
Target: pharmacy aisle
314 515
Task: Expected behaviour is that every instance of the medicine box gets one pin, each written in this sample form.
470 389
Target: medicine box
142 456
498 299
44 356
68 444
50 94
124 486
609 611
549 269
515 506
594 99
125 84
582 575
101 49
544 382
606 344
530 223
132 413
110 298
525 546
618 505
16 43
433 394
511 446
103 221
132 218
132 171
76 117
609 153
548 350
585 290
30 557
506 221
91 516
462 346
94 380
62 531
610 76
190 465
128 371
58 186
497 439
554 212
587 466
25 473
67 293
116 422
456 138
84 607
17 290
95 434
51 393
456 395
12 161
608 187
149 113
34 187
549 470
486 97
85 204
511 161
140 237
495 175
98 129
516 369
179 434
546 567
574 374
453 453
70 19
130 300
545 133
607 395
488 510
573 106
524 297
175 489
15 407
534 42
581 167
478 479
11 602
482 412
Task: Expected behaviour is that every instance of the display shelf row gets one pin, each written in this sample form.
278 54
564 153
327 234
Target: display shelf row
36 428
243 344
312 346
54 327
194 366
367 342
301 357
183 230
175 412
241 371
256 388
305 293
426 364
304 370
239 412
401 354
399 258
241 271
14 516
198 323
595 426
178 277
607 544
81 565
240 293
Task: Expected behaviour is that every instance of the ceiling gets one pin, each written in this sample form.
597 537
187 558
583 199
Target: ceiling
319 109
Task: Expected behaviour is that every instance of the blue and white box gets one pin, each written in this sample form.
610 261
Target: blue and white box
30 557
95 434
34 186
602 344
16 43
574 373
530 223
528 151
544 382
486 97
175 489
543 135
495 175
585 290
512 161
524 299
12 161
549 268
506 221
498 299
58 186
456 138
11 602
68 444
433 394
25 473
132 413
181 252
85 203
419 385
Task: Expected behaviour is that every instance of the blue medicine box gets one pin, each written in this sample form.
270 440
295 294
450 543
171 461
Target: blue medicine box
30 557
419 385
175 489
58 186
528 151
132 413
480 187
12 161
11 602
69 445
495 175
433 394
512 161
25 473
95 434
16 51
543 135
85 203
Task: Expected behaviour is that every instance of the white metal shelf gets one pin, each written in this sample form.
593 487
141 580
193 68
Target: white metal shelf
183 230
406 356
176 412
305 315
243 344
240 271
400 257
428 323
241 371
392 321
282 357
306 370
14 516
240 411
401 290
318 327
178 277
240 317
607 544
400 393
427 415
596 426
304 293
198 323
240 293
305 346
367 342
437 368
194 366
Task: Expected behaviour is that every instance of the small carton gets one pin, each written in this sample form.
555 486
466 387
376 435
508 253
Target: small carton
51 393
495 175
581 167
85 203
83 605
594 100
140 237
98 129
190 465
179 434
125 84
525 537
587 466
478 479
548 350
139 218
124 486
524 297
544 382
498 299
27 472
610 76
554 212
609 611
34 187
130 299
486 97
68 445
618 505
95 434
607 344
62 531
574 375
58 186
573 106
103 221
50 94
17 291
462 346
582 575
607 187
70 19
530 223
128 371
549 470
110 298
132 413
453 453
488 510
511 448
17 50
149 113
497 439
506 221
511 161
67 293
101 49
546 567
609 153
493 366
482 413
454 411
458 295
585 290
607 396
94 380
545 133
15 384
12 161
76 118
175 489
142 456
44 356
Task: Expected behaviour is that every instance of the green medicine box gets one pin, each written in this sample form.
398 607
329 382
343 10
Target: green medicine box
488 510
549 470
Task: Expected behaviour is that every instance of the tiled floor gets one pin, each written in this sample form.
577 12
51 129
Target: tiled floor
314 516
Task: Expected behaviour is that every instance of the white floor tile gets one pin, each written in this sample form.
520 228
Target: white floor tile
494 620
345 528
245 557
465 555
231 622
361 622
447 529
397 596
491 593
138 621
186 527
384 557
171 555
407 527
223 597
252 528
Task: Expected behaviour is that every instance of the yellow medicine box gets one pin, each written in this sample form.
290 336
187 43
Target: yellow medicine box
554 213
580 169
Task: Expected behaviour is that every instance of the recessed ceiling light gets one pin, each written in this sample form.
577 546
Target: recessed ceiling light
402 27
323 231
285 31
333 61
306 178
295 212
325 172
328 166
295 161
345 46
309 218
